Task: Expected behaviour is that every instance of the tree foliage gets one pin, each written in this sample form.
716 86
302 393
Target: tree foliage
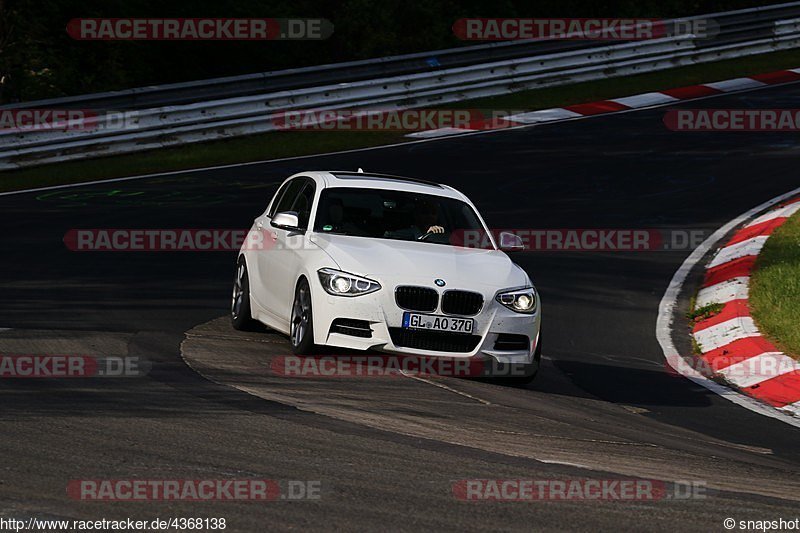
38 59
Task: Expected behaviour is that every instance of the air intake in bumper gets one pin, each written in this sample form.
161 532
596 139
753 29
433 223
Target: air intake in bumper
507 342
435 341
352 327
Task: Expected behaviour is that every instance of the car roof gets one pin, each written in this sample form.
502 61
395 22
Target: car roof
373 180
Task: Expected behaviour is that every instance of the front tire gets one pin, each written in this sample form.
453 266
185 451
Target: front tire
302 323
241 317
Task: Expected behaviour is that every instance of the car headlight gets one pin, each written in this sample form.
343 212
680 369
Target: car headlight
340 283
519 300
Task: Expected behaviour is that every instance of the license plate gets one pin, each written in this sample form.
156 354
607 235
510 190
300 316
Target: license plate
438 323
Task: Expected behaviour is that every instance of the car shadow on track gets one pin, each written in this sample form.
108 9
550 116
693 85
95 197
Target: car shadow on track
625 385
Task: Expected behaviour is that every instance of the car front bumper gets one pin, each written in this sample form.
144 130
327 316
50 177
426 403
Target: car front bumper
380 310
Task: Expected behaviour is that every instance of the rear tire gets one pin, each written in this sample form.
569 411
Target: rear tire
301 333
241 317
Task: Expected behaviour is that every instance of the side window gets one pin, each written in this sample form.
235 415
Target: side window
302 206
276 199
287 199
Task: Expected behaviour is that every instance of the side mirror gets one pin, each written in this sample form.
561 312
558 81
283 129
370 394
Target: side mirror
511 242
286 220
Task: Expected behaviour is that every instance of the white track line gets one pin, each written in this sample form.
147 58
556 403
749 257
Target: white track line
785 211
666 312
450 389
440 132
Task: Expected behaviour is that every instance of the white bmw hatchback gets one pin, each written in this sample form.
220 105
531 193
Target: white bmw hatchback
376 262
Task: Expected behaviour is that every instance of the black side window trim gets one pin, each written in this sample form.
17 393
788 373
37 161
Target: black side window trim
277 199
283 190
310 184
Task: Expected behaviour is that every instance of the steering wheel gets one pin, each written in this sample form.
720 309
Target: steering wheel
435 236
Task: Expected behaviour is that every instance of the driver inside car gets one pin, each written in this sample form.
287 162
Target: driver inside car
336 220
426 217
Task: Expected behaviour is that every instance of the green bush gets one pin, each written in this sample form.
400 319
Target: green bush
39 60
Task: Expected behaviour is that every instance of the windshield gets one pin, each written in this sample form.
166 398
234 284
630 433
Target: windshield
398 215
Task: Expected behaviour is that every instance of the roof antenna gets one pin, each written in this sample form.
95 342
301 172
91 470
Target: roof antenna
360 170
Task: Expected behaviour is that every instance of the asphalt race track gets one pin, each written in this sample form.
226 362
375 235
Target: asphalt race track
387 451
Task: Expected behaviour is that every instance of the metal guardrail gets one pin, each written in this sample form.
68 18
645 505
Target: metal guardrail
742 32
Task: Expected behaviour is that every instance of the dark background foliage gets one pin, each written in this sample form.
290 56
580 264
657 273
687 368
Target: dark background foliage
39 60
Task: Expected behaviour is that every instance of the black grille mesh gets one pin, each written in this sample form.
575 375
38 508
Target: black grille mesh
462 303
416 298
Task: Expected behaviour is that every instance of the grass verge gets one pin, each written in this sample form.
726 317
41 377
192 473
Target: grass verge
297 143
775 288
